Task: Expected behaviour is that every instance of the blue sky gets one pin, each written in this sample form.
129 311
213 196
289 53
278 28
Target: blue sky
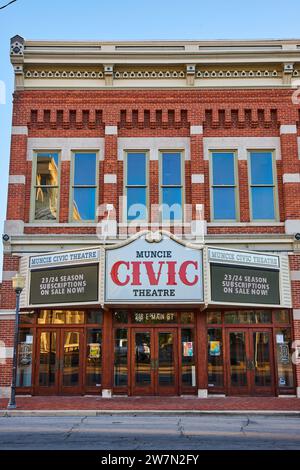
133 19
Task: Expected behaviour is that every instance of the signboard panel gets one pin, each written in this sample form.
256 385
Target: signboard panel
64 258
243 258
163 272
64 285
239 284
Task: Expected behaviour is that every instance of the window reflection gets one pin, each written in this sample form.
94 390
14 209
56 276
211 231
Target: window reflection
223 186
214 317
215 357
188 372
46 186
24 362
142 359
121 358
262 364
187 317
84 186
166 374
284 357
256 316
262 185
171 187
51 316
27 317
60 317
71 359
94 357
95 317
237 353
282 316
47 363
136 186
121 316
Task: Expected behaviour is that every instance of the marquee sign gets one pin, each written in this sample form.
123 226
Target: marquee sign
64 278
64 285
152 273
244 277
64 257
159 272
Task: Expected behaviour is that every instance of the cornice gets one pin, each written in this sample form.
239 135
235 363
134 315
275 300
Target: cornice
144 60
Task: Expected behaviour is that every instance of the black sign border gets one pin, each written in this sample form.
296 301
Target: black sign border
52 268
219 302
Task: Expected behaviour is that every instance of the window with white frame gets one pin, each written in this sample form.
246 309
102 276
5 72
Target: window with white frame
171 185
84 187
45 198
224 198
136 185
262 185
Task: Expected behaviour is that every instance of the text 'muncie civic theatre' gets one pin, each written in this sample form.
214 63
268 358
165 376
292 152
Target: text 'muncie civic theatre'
154 212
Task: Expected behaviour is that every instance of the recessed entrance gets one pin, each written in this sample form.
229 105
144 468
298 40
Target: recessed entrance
152 357
155 352
155 361
59 361
250 365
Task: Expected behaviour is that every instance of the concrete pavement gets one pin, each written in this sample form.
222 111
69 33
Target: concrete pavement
150 432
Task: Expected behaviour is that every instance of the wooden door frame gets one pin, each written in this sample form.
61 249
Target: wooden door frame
256 390
230 390
252 389
58 389
78 390
146 390
38 389
154 389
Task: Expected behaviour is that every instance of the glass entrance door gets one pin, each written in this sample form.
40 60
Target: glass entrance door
143 362
155 362
70 372
249 362
59 361
167 362
47 362
262 367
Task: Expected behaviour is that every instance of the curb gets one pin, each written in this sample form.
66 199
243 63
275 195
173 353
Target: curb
95 413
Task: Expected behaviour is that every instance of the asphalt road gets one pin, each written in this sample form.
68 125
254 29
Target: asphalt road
119 432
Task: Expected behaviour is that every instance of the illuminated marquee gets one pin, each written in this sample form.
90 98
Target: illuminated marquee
168 272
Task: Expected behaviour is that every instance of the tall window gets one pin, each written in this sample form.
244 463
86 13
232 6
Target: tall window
224 188
46 186
171 186
136 186
84 187
262 186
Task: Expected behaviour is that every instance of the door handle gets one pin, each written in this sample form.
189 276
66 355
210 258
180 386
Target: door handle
154 364
250 364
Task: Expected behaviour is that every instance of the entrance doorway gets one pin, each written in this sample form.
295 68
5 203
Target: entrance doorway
155 361
250 369
59 361
155 352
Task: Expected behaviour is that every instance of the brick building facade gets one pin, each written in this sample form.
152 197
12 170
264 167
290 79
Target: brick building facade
203 101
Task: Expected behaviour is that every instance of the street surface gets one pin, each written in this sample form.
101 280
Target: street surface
149 432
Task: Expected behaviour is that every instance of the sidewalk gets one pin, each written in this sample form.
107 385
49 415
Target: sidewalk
97 405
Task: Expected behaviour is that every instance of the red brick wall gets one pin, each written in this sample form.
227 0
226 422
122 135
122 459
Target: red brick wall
145 113
6 335
154 113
